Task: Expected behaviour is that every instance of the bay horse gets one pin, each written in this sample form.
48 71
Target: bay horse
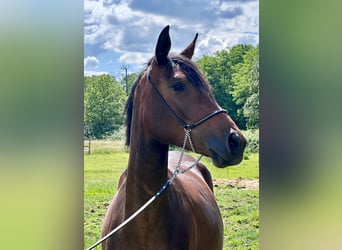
167 96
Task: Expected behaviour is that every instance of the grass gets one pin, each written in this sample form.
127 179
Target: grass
240 214
248 169
239 207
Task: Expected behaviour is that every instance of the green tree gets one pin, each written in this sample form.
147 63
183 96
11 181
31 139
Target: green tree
218 69
237 52
245 88
251 107
104 102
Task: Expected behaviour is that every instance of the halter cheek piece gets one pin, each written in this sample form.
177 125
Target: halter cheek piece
186 126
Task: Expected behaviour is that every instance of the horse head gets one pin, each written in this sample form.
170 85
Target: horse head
177 96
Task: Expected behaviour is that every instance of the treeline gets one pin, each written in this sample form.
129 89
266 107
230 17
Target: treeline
233 75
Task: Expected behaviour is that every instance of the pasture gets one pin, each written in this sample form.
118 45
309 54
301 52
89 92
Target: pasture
236 191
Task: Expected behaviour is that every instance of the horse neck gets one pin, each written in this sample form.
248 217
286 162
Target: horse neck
147 169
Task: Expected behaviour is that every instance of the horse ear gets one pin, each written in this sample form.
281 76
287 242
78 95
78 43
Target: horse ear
163 46
189 51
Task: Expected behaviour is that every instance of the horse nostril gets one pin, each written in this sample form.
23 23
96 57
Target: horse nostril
234 142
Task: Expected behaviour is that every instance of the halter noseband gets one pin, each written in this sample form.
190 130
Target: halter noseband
180 120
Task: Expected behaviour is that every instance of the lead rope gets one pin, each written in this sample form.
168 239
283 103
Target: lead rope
161 190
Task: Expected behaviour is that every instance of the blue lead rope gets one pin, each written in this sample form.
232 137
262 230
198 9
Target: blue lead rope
160 191
163 188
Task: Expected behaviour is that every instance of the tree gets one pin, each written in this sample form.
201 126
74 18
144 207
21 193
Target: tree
216 70
237 52
251 107
245 79
104 102
219 69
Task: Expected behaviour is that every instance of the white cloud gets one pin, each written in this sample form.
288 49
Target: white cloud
91 61
136 58
95 73
130 28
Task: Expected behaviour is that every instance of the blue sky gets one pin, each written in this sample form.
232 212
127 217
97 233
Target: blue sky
118 33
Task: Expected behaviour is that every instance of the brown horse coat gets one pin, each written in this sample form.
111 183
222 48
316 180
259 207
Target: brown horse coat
186 215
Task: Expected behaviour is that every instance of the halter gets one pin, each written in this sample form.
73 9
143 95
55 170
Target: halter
180 120
187 130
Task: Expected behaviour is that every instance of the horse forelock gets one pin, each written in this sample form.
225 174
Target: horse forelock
191 71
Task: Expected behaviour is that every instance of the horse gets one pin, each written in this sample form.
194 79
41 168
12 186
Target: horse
169 97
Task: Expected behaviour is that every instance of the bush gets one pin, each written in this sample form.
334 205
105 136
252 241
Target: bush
252 137
118 134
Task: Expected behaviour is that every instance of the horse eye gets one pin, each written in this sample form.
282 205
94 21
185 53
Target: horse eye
178 87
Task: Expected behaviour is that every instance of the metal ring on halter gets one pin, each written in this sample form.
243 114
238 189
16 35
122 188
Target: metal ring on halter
187 129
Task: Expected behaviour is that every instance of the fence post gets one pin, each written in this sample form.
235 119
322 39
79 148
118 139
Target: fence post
89 142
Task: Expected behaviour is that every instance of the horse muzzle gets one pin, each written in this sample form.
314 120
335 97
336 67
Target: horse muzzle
229 152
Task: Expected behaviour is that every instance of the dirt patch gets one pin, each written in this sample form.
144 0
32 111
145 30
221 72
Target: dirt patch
247 184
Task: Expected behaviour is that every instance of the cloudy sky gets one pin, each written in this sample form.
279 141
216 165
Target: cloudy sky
124 32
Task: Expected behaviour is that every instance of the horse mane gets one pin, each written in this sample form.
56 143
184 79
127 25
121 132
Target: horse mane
189 68
129 109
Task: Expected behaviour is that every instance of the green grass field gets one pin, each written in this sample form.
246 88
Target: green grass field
239 206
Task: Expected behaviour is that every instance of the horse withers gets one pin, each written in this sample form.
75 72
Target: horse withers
169 97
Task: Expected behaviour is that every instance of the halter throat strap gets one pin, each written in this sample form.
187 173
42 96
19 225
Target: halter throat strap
180 120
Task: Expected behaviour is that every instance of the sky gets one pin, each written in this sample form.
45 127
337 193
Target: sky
123 33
